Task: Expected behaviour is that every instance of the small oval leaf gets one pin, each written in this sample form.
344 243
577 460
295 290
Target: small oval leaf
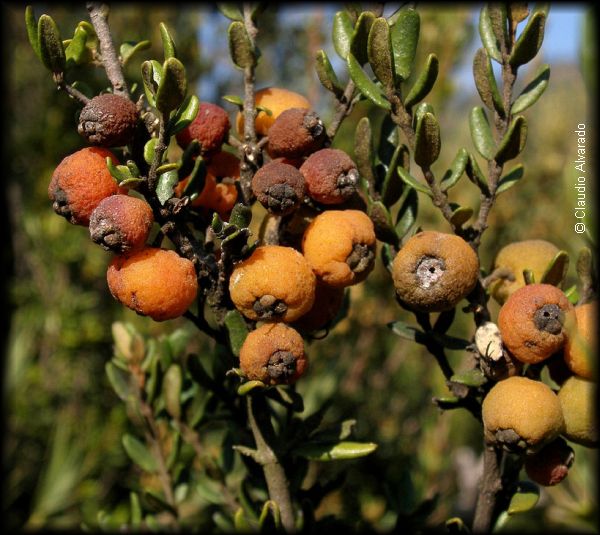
530 40
139 453
149 149
335 451
185 115
514 140
461 215
405 37
424 83
457 168
533 91
557 268
173 86
241 48
379 52
476 175
413 182
32 31
363 151
230 11
427 140
481 133
166 184
366 86
525 499
172 383
237 330
485 82
342 33
360 37
407 215
52 51
167 42
326 74
510 179
118 379
487 35
248 386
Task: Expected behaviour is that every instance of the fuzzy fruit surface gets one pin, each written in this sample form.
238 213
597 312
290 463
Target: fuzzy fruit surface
80 182
433 271
274 283
577 398
581 346
153 282
108 120
121 223
340 247
279 187
274 354
532 322
210 127
521 413
551 464
295 133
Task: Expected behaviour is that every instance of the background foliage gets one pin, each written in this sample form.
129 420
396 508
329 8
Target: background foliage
63 461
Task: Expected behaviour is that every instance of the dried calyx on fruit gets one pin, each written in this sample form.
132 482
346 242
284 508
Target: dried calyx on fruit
121 223
532 322
340 247
210 127
108 120
433 271
279 187
551 464
80 182
274 354
296 133
274 283
331 176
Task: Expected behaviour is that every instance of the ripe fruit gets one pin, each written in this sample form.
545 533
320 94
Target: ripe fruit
121 223
80 182
516 257
340 247
331 176
532 322
279 187
433 271
328 301
274 354
578 400
295 133
108 120
210 127
520 413
580 347
274 283
551 464
153 282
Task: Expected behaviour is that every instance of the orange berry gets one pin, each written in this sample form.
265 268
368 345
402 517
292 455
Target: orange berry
121 223
153 282
210 127
274 354
108 120
580 347
80 182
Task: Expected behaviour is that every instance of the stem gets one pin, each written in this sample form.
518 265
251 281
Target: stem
75 93
277 482
343 108
99 17
491 485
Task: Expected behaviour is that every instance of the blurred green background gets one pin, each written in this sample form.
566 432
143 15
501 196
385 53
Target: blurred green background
62 456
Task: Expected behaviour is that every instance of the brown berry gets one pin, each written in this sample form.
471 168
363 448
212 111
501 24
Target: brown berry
274 354
153 282
340 247
121 223
210 127
532 322
279 187
331 176
296 133
551 464
80 182
274 283
433 271
108 120
581 346
578 401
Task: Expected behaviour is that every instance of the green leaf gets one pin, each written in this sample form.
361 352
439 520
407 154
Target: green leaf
533 91
139 453
476 175
327 75
197 178
427 140
556 270
167 42
473 378
457 168
32 31
335 451
166 184
403 330
76 51
172 383
517 12
241 523
528 276
530 40
199 374
342 30
481 133
485 82
168 166
270 509
241 48
488 38
572 294
514 140
234 99
456 525
360 37
379 52
173 86
585 267
405 37
498 17
510 178
391 187
245 388
413 182
117 170
149 149
231 11
240 216
129 48
363 151
382 220
118 379
461 215
237 330
424 83
524 499
366 86
151 75
184 116
135 514
407 214
50 43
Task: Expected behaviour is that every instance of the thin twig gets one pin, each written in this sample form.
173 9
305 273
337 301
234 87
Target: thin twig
490 487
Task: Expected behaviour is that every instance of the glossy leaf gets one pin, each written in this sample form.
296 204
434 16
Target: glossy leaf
129 48
167 42
166 184
525 499
50 43
360 37
424 83
366 86
427 140
32 31
404 35
486 33
476 175
335 451
363 151
391 187
407 214
230 11
481 133
528 276
379 52
149 149
510 178
472 378
326 74
461 215
197 177
139 453
151 75
185 114
556 270
237 330
77 51
234 99
168 166
485 82
240 45
530 40
173 86
457 169
533 91
413 182
245 388
117 171
342 30
514 140
172 384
